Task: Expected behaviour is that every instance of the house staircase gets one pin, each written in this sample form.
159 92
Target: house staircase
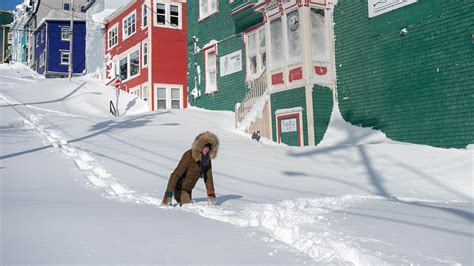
248 113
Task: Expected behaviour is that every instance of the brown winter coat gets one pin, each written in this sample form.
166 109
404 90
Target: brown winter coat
186 174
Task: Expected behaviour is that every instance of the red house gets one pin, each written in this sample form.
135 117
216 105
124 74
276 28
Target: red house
145 46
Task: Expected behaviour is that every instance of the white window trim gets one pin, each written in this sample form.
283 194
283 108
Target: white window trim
260 67
135 91
61 58
168 88
145 42
69 3
142 89
203 17
207 50
145 7
124 36
114 27
127 54
42 55
63 30
168 16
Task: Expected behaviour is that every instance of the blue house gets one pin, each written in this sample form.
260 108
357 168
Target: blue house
52 47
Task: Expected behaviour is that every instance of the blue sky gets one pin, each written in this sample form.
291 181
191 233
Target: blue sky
9 4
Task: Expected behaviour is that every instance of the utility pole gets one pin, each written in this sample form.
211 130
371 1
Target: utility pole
71 30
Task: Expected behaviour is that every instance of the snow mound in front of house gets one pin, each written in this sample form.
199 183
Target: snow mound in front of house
343 133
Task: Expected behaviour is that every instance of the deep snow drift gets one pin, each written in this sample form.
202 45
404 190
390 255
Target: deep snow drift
81 186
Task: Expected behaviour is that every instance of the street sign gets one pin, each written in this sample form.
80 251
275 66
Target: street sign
117 83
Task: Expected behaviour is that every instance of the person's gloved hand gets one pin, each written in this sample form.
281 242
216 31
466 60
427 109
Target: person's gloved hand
167 199
211 201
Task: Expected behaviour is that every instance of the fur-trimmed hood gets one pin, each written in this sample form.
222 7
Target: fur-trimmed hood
200 141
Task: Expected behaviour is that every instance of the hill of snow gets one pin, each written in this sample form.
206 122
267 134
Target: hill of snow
81 186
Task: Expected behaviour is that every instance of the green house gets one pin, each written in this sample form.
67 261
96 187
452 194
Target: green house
408 70
6 18
269 61
403 67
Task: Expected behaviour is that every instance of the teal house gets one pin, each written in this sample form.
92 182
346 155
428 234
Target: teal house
402 67
6 19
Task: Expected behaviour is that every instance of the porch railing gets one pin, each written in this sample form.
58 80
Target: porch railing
258 87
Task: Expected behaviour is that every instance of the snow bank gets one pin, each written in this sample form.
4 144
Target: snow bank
342 133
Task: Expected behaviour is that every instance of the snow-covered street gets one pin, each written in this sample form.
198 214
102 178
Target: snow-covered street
78 185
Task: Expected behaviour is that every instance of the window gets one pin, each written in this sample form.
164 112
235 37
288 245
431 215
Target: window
129 25
256 53
66 6
129 64
174 15
145 53
41 59
42 36
65 34
207 8
65 57
210 61
134 63
135 91
319 47
161 98
175 98
276 34
145 92
123 68
168 15
144 16
294 40
161 14
36 40
112 36
168 96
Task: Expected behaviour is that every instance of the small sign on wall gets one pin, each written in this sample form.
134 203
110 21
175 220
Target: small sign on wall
378 7
231 63
289 125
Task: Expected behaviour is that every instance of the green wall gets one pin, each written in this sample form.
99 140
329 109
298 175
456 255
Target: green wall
6 18
219 27
322 109
289 99
417 87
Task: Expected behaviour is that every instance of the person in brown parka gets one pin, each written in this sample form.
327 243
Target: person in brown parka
195 163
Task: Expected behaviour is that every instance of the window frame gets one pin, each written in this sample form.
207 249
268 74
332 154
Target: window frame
68 3
65 30
126 55
145 47
286 46
62 53
258 53
207 50
203 16
111 29
125 33
168 95
167 15
145 14
42 59
143 89
135 91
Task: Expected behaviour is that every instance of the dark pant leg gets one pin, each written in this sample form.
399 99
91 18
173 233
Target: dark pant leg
182 196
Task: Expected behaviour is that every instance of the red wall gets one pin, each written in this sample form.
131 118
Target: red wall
169 56
130 42
168 48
